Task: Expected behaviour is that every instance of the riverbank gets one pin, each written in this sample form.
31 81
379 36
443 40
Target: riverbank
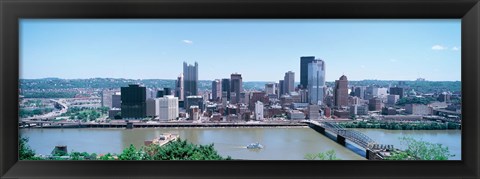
131 125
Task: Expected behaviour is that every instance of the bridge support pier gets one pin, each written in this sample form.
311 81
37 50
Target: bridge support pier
367 154
341 140
129 125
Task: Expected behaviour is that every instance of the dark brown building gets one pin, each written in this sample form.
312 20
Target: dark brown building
257 96
235 87
375 104
341 92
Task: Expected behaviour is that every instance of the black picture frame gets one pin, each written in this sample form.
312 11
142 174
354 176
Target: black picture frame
12 10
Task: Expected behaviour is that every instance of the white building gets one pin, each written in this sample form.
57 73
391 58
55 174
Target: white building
380 92
168 107
270 88
258 110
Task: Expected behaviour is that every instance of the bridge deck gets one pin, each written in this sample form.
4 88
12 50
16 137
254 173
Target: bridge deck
352 135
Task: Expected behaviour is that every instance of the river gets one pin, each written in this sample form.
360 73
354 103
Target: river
279 143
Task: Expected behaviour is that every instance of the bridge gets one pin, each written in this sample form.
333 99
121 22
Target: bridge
58 104
373 150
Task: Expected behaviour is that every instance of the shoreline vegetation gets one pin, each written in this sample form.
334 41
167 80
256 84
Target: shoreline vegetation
175 150
415 150
349 124
394 125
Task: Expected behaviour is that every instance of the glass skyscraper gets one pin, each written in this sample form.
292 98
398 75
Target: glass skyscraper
190 79
133 102
316 81
304 61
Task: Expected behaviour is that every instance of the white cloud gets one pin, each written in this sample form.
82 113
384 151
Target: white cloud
439 47
189 42
455 48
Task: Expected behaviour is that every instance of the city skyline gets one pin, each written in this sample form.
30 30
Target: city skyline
380 48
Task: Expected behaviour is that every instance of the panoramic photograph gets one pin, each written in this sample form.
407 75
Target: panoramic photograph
238 89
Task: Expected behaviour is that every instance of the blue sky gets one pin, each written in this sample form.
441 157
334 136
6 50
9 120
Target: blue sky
261 50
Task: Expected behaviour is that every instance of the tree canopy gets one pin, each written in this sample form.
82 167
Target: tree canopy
421 150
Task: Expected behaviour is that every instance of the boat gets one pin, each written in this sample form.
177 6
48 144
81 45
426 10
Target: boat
255 146
162 139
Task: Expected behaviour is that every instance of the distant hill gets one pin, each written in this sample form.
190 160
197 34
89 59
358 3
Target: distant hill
57 83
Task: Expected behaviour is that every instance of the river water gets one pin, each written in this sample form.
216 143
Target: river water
279 143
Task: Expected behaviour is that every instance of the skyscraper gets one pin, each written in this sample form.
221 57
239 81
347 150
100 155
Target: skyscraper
226 87
316 81
341 92
360 92
133 101
216 90
236 86
281 88
289 81
304 61
190 79
179 88
397 91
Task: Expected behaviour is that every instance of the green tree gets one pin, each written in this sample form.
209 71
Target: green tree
328 155
421 150
183 150
107 156
131 153
25 152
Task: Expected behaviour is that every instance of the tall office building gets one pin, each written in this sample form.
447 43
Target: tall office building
190 79
226 87
281 88
179 88
316 81
168 107
341 92
236 86
216 90
397 91
289 81
360 92
304 61
133 102
152 107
